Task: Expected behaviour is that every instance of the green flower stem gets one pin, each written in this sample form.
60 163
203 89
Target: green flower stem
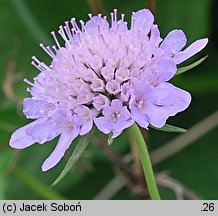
146 162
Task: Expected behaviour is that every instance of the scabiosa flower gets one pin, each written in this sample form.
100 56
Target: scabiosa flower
104 74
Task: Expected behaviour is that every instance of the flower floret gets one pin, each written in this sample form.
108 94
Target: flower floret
107 75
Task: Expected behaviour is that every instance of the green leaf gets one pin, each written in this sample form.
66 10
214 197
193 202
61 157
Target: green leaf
110 140
77 153
189 67
170 128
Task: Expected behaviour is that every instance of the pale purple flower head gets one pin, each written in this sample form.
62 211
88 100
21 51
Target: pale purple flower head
106 75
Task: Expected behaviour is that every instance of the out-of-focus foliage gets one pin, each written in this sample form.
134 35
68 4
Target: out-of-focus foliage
24 23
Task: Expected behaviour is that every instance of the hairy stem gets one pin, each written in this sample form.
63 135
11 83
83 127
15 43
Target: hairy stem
146 162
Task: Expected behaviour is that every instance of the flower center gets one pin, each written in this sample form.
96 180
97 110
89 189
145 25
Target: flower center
115 116
102 101
139 103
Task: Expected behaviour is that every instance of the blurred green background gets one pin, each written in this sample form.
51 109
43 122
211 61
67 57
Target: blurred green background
190 172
